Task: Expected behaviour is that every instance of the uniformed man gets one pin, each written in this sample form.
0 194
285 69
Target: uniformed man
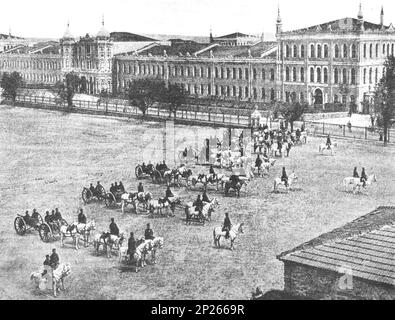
47 261
81 217
198 204
140 187
284 177
149 233
227 225
58 216
35 216
121 187
131 247
27 218
54 259
112 188
92 189
258 163
364 177
47 218
114 230
355 173
205 197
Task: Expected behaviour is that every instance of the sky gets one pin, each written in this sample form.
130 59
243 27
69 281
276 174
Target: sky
48 18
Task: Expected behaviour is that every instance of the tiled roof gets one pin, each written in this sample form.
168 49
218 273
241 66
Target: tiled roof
233 35
240 51
344 24
49 47
366 246
177 48
129 37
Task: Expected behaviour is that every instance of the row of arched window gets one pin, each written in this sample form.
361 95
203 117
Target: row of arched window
201 72
319 50
30 64
41 77
372 75
321 75
373 50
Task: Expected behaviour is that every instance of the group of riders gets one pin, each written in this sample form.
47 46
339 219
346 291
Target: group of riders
148 168
363 178
117 188
51 219
32 220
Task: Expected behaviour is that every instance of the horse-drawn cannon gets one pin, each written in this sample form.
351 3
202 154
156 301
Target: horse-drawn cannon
23 224
48 231
89 193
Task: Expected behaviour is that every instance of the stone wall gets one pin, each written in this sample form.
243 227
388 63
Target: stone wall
305 281
320 116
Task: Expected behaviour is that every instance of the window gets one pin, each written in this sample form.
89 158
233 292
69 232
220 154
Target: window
240 92
240 73
216 72
201 72
301 97
209 73
295 51
234 91
364 76
209 89
336 76
287 96
272 95
287 51
234 73
392 49
326 51
319 75
353 51
302 51
370 75
246 92
302 74
345 51
388 49
336 51
272 74
312 51
319 55
227 73
263 94
311 74
325 75
353 76
263 74
202 89
254 73
377 50
222 73
371 51
255 94
294 74
286 74
344 76
335 98
376 76
383 49
246 74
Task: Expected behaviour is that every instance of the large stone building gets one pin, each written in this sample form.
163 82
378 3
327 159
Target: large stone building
356 261
334 62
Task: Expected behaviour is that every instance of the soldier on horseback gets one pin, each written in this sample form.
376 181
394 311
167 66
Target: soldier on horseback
92 189
81 217
131 246
114 230
149 233
169 194
364 178
227 225
57 216
258 163
140 187
98 189
198 204
54 259
35 216
328 141
205 197
212 172
284 177
355 173
121 187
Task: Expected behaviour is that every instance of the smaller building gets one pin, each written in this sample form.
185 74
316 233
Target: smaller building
356 261
237 39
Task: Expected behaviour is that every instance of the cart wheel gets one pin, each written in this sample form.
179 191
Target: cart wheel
45 232
20 226
86 195
139 172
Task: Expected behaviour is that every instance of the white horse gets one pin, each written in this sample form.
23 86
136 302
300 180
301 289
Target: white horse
40 278
234 231
156 243
140 254
264 168
114 242
159 206
70 231
356 183
58 276
323 147
128 199
84 229
291 179
208 209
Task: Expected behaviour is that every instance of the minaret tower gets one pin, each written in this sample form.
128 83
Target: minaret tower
67 43
279 25
382 16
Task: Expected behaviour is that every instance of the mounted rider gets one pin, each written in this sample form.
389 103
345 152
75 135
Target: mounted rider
212 172
54 259
121 187
227 225
81 217
355 173
140 188
328 141
284 177
364 177
114 230
92 189
198 204
57 215
98 188
144 167
258 163
27 218
131 246
35 216
169 194
149 233
150 167
47 218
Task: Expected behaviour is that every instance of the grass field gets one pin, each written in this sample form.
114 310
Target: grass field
47 157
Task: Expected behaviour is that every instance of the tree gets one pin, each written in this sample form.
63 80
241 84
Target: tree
291 111
175 96
145 92
384 97
66 89
11 83
345 90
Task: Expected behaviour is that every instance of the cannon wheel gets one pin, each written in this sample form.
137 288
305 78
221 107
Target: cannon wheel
20 226
86 195
103 193
45 232
109 200
139 172
156 177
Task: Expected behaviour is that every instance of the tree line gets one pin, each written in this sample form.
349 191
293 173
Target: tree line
144 93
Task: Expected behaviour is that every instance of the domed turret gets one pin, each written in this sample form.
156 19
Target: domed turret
67 35
103 33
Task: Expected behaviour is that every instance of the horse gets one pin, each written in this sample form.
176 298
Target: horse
322 147
141 252
277 182
156 243
265 167
236 186
40 279
114 242
70 231
158 205
207 210
128 198
84 229
58 276
233 233
182 173
356 183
